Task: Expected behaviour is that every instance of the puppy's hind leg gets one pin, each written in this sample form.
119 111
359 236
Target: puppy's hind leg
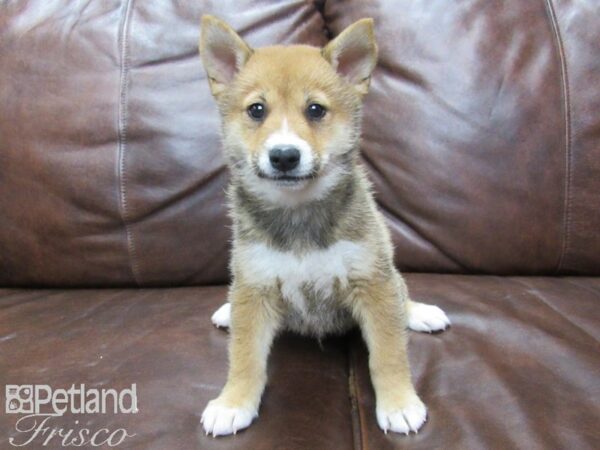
425 318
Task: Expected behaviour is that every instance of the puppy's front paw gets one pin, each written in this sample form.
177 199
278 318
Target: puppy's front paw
427 318
222 316
220 420
404 419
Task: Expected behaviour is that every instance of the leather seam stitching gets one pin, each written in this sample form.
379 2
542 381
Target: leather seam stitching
568 135
122 137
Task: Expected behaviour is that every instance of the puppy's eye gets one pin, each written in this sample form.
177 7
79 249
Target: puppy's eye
315 111
257 111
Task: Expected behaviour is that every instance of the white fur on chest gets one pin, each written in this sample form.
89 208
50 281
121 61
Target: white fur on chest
320 269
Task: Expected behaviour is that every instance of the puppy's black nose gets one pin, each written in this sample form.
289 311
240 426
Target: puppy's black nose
284 158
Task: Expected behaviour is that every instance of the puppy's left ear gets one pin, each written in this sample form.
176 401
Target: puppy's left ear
223 53
353 54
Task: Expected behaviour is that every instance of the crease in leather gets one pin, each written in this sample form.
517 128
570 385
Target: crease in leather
267 19
85 314
425 238
421 83
454 111
572 282
387 211
551 15
19 300
391 70
305 16
182 195
499 90
320 6
122 136
167 60
535 293
390 216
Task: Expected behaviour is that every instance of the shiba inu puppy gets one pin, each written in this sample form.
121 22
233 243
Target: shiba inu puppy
311 252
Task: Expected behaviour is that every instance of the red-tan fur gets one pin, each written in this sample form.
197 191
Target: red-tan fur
286 80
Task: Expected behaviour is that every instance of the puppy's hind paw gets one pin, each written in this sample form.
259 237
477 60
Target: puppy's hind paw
427 318
222 316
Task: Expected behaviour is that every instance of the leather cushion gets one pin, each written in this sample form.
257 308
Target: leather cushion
481 136
163 340
517 369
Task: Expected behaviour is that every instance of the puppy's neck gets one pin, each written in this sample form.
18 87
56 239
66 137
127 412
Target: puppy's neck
304 226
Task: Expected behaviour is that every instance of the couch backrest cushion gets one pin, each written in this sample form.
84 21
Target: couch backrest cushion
482 136
482 132
110 166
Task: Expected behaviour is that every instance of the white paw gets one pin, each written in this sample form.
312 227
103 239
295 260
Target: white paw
220 420
222 316
427 318
403 420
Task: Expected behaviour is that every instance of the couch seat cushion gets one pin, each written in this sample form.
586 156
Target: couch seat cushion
163 340
518 369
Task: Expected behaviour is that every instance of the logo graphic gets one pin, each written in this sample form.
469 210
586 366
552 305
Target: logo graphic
42 408
19 399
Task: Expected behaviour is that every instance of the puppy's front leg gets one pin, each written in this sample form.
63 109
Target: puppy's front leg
255 319
378 306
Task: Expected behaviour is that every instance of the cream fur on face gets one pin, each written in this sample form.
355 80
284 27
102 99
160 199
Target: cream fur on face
284 137
302 193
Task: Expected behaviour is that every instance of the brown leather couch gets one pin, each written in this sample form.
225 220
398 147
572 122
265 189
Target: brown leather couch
482 138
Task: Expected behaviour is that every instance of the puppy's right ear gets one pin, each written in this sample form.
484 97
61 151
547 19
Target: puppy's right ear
223 53
353 54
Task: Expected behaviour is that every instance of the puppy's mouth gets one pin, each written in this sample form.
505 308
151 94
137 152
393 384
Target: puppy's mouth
286 179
